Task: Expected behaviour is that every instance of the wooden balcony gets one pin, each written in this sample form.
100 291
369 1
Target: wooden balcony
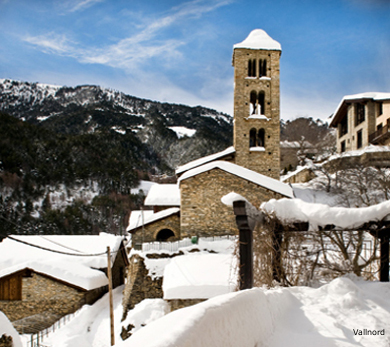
380 135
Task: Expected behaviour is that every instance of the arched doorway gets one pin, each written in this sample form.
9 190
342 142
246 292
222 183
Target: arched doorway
164 235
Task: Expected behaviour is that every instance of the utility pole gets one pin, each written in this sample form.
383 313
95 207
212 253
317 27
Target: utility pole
109 275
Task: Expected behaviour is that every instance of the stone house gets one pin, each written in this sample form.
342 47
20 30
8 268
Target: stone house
38 282
251 167
361 120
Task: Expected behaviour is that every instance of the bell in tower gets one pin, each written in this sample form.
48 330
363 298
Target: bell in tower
257 103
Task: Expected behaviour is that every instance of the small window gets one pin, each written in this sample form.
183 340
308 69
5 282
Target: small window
359 139
256 138
360 112
252 68
260 138
262 67
343 129
342 149
380 108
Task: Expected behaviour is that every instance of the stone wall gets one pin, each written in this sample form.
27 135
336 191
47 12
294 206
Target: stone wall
177 304
6 341
139 285
150 231
43 294
266 162
203 213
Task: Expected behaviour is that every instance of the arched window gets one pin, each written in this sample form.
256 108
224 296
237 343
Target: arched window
252 67
252 137
257 103
164 235
260 138
253 102
262 67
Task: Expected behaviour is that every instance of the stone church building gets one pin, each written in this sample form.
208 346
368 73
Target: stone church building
193 206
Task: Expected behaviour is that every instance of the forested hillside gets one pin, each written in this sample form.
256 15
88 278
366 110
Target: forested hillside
70 156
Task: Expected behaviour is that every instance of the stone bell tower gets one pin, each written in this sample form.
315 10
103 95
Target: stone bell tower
257 103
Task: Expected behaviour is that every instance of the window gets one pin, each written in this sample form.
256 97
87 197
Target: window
256 138
257 103
252 138
359 139
252 68
360 113
380 108
342 149
260 138
262 67
343 129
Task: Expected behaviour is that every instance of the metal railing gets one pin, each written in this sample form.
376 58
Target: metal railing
376 136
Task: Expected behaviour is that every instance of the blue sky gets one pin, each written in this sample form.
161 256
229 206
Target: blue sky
181 51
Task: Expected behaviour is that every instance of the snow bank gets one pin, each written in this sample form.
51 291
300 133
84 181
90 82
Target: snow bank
294 317
296 210
199 276
7 328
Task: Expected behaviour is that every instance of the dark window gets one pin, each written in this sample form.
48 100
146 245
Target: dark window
256 139
343 146
380 108
252 138
260 138
262 67
379 126
252 67
359 139
360 113
343 126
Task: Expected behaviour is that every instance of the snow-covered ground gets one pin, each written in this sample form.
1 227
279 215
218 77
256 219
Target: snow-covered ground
337 314
7 329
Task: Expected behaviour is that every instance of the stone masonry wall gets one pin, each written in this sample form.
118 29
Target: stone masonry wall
139 285
151 230
40 294
177 304
203 213
6 341
266 162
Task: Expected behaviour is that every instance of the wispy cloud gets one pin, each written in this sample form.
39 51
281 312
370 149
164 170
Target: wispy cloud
78 5
130 52
51 43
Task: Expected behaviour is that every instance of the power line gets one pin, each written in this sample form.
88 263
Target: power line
48 249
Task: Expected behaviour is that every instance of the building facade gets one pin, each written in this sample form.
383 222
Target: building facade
361 120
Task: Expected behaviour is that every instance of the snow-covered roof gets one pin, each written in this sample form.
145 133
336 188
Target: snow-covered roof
198 162
163 195
249 175
199 276
144 186
355 97
136 218
152 217
296 210
77 270
70 272
259 39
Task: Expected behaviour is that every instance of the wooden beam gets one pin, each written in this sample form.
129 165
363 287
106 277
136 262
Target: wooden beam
109 275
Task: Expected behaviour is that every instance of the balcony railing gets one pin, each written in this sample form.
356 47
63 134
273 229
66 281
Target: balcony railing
379 135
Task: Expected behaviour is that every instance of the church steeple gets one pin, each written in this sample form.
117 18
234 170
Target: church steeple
257 103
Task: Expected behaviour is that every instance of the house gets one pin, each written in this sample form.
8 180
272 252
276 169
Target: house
251 167
361 120
54 275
